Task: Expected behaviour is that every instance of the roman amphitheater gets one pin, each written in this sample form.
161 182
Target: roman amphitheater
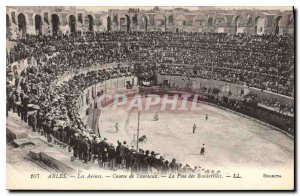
239 63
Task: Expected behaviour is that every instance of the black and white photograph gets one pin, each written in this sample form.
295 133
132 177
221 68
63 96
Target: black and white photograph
150 98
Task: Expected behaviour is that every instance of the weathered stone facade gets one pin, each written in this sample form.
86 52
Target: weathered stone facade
57 20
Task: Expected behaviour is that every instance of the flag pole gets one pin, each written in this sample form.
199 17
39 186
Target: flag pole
93 108
138 132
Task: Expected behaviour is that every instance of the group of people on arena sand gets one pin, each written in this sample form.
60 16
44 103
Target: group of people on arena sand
52 109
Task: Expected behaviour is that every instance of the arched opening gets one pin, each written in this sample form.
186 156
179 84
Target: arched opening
135 21
127 23
278 26
200 22
165 23
91 23
22 24
236 24
72 24
143 25
290 26
220 24
38 24
210 22
259 28
55 24
108 23
180 20
7 26
249 22
161 22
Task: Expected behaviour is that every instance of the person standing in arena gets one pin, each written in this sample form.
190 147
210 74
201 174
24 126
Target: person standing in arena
202 150
117 127
206 117
194 128
156 117
133 142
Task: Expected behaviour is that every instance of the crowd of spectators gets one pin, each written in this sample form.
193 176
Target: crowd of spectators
265 62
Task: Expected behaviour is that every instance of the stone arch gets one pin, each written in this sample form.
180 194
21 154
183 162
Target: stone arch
22 24
128 23
8 25
55 22
115 20
220 24
249 22
160 22
124 21
72 24
170 19
239 24
200 21
290 21
220 21
143 22
180 20
260 23
210 21
7 21
135 21
89 22
108 23
279 25
290 25
38 24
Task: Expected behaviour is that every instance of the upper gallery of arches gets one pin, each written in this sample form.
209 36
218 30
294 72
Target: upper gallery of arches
38 20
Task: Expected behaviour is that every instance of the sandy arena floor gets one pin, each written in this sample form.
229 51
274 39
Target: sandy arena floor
230 140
